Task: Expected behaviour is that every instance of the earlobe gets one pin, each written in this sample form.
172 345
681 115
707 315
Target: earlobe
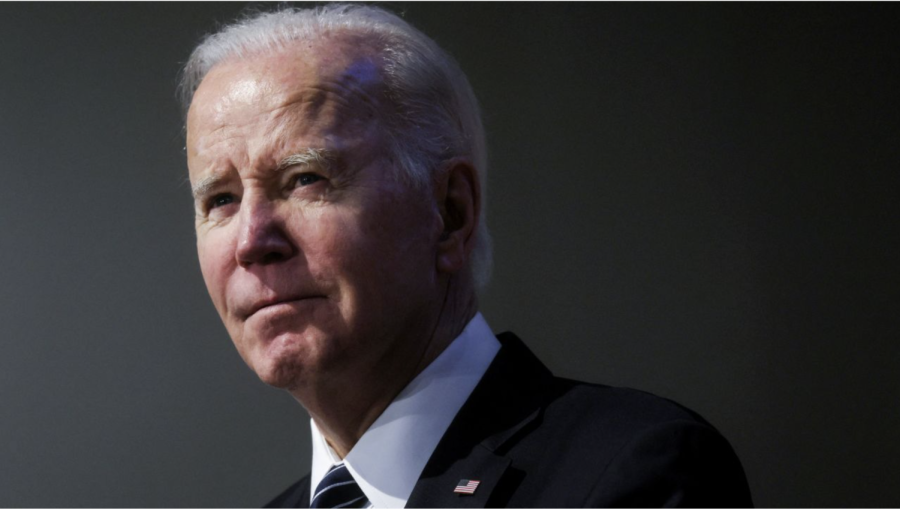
459 196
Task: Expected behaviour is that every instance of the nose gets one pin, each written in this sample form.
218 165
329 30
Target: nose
262 238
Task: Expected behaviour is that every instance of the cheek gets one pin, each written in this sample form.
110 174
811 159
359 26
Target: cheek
376 248
332 241
215 259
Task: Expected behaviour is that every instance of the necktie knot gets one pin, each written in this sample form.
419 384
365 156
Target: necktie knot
338 489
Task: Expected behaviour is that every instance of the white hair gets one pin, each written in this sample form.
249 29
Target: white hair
435 114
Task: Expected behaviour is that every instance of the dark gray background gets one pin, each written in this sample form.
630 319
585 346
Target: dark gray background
696 200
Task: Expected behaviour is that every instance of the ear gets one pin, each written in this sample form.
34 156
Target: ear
458 194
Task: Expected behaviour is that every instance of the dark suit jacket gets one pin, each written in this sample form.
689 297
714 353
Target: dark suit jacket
535 440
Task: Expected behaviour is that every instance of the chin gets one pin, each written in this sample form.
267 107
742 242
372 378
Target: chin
285 374
282 377
281 364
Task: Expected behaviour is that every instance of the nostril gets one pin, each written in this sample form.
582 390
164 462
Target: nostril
271 257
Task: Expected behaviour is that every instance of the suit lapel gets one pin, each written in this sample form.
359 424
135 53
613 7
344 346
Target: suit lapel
505 404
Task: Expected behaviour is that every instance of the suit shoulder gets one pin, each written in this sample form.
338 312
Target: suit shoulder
598 420
627 448
616 407
517 372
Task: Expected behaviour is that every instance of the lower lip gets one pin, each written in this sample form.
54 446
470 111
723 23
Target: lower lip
284 306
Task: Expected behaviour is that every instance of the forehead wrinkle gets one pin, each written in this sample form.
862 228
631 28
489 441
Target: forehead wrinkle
320 120
330 96
215 171
335 94
210 145
326 106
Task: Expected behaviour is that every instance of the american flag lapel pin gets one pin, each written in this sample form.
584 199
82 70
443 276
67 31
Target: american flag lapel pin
466 487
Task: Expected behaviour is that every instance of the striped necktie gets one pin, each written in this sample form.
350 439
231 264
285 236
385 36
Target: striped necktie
338 490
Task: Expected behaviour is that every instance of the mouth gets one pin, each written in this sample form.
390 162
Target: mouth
268 304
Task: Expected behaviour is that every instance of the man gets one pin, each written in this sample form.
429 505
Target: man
337 163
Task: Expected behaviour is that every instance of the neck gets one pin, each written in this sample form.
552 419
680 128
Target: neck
344 409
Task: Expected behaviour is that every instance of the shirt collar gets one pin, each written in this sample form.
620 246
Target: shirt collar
387 460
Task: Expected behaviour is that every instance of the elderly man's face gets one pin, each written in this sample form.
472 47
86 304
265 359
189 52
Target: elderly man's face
315 268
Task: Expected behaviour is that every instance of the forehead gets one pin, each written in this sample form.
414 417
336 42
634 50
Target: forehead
325 86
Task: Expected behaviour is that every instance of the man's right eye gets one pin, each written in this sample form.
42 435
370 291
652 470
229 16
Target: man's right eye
221 200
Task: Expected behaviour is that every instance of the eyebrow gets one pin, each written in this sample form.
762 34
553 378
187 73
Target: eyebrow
320 157
308 156
207 183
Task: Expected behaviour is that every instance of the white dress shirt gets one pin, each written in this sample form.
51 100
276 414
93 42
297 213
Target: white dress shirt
387 460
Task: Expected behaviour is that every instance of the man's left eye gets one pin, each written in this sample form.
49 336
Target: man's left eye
306 179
